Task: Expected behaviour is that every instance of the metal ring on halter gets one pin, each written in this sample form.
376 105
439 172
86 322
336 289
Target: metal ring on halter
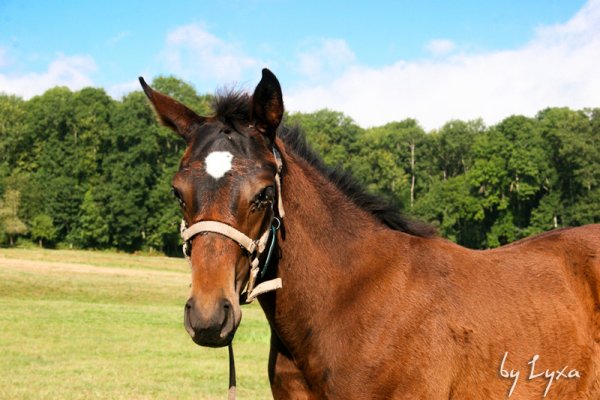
275 219
275 225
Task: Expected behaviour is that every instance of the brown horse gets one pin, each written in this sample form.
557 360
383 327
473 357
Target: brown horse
373 305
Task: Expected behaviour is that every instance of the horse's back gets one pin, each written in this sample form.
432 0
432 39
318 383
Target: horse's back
572 252
587 235
539 296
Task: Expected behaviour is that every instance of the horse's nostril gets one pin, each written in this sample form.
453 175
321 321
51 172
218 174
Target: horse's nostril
226 305
188 305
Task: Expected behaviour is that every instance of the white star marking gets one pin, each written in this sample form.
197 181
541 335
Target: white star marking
218 163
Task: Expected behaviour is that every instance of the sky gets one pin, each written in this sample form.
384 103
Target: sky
376 61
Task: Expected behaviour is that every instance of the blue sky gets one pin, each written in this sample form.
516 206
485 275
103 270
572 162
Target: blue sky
376 61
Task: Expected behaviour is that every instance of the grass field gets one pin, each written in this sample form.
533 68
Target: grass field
95 325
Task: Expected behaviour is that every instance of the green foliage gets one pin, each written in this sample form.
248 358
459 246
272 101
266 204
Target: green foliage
450 203
129 172
449 150
331 134
573 146
163 223
10 223
42 229
92 229
545 216
82 169
12 113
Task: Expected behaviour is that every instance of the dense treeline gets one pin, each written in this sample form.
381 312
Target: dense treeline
84 170
483 186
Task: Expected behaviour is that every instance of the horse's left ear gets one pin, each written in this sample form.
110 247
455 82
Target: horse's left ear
267 105
172 113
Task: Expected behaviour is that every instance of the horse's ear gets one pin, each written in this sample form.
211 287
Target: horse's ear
172 113
267 105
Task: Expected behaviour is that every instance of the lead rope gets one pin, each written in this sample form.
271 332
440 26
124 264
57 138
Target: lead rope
250 245
231 391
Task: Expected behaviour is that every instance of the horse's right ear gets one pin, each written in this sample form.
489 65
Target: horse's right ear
172 113
267 105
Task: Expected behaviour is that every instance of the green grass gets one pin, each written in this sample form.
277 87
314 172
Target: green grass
115 332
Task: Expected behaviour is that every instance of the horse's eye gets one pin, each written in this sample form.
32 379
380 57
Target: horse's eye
268 193
264 198
178 196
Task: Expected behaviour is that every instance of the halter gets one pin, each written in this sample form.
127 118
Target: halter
254 248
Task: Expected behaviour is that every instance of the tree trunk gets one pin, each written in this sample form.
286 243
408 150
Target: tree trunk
41 244
10 239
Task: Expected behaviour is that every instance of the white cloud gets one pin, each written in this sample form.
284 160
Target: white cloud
558 67
440 47
193 53
71 71
322 58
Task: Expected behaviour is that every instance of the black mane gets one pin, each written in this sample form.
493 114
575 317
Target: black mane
233 108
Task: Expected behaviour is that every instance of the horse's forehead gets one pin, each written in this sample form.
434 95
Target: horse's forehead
218 161
219 144
221 155
218 177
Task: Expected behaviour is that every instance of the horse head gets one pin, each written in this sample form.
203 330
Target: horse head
228 177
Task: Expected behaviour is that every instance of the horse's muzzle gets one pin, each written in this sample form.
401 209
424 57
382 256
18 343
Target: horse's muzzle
210 327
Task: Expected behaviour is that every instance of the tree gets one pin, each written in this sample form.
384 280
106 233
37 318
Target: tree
12 114
130 170
529 172
42 229
331 134
9 219
163 221
452 206
545 216
573 141
84 169
92 229
389 159
450 149
50 158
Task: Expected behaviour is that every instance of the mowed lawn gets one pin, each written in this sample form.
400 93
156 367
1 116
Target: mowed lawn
96 325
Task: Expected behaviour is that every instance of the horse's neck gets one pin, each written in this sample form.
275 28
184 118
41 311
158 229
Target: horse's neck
326 250
321 225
